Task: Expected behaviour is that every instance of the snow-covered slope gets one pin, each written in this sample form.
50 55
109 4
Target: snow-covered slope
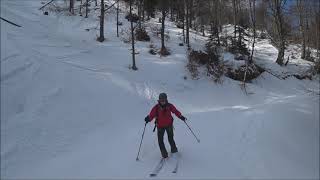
71 107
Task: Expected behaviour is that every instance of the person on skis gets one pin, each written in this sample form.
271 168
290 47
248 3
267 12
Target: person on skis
164 122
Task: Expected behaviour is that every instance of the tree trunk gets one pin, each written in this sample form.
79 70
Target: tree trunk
139 13
219 16
302 28
281 48
252 4
101 38
87 8
118 19
171 12
217 20
183 31
71 7
202 29
307 31
80 12
280 57
163 27
134 67
190 13
278 17
240 28
143 13
234 19
318 35
187 24
303 51
183 22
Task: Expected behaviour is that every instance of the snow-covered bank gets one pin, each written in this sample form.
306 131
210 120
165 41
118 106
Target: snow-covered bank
71 108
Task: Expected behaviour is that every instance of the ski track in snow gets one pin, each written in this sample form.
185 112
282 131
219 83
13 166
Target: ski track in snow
71 108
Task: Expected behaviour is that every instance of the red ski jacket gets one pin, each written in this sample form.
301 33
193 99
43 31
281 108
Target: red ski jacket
163 115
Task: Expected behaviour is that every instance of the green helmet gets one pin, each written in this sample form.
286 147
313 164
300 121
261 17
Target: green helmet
162 96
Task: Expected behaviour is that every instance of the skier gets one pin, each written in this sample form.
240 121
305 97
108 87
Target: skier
164 122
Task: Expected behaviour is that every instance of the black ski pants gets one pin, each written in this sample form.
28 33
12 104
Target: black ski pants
163 149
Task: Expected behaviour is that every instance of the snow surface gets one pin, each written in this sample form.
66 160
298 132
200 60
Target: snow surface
72 108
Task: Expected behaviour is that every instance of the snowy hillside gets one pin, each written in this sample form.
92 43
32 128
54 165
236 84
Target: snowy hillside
72 108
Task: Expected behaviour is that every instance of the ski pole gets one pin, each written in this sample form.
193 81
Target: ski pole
137 159
192 132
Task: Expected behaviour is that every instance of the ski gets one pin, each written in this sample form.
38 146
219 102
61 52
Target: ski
157 169
176 157
176 167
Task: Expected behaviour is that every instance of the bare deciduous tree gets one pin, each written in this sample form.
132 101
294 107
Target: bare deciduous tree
188 7
118 19
164 8
235 12
134 67
87 8
71 7
277 12
101 37
252 5
80 11
302 25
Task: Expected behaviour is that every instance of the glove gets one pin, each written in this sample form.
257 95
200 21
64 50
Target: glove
183 118
147 119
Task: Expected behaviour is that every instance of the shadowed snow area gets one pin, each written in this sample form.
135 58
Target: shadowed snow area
72 108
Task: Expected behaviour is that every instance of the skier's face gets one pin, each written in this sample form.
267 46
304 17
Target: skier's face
162 101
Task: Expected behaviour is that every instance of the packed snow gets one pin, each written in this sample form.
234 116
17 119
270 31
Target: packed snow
72 108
